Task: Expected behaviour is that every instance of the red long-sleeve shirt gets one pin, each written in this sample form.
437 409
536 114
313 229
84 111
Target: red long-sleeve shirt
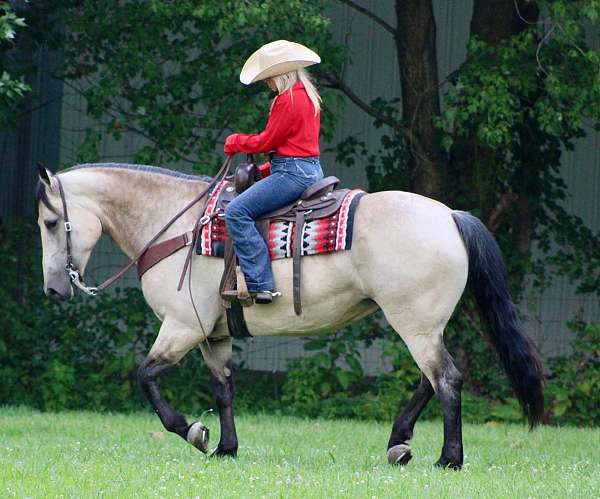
292 128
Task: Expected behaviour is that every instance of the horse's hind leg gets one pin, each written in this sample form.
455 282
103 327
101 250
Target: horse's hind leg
428 351
173 342
402 431
217 355
448 386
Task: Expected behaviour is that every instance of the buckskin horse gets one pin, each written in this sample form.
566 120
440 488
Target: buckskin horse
411 257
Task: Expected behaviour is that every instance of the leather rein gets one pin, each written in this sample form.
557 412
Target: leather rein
75 275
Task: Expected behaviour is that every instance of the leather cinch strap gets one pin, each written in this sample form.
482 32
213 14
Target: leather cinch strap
297 258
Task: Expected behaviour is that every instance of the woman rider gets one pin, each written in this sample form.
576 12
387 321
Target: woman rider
292 133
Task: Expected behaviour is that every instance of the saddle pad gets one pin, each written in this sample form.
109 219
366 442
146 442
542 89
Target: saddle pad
323 235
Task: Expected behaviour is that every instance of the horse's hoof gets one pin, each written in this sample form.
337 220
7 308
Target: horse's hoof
198 436
222 452
399 455
444 462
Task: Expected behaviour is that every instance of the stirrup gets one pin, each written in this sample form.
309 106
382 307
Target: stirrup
265 297
232 296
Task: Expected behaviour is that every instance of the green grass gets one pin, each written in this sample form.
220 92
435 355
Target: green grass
82 454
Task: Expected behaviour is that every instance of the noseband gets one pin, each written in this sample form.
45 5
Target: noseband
73 272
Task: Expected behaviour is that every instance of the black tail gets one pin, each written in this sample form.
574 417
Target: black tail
487 275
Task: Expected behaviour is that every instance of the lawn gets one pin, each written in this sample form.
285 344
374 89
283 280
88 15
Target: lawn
82 454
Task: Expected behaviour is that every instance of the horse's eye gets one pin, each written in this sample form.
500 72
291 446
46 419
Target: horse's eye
50 224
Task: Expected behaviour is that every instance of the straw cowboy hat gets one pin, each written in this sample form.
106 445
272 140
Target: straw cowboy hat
276 58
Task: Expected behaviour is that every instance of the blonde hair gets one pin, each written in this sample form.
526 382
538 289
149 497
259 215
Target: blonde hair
286 81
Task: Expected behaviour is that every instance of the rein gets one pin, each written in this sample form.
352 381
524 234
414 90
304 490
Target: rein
73 272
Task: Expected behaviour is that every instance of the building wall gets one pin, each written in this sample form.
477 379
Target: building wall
35 139
372 73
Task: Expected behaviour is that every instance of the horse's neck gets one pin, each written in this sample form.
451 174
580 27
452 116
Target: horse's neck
133 206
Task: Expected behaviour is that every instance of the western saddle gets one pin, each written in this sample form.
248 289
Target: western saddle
317 201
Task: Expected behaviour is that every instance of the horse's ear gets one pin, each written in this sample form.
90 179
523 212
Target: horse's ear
44 175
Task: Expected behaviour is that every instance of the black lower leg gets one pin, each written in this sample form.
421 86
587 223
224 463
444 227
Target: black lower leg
147 377
449 385
223 388
404 424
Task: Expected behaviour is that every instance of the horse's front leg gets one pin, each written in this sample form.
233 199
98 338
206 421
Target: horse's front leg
217 354
173 342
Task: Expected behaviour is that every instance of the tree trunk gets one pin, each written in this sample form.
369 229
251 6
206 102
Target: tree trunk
497 20
417 60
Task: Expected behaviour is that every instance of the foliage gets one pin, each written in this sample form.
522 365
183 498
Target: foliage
574 382
331 382
80 355
12 88
84 354
386 168
323 385
510 111
314 379
518 104
169 72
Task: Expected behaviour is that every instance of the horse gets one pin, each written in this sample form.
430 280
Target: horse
411 257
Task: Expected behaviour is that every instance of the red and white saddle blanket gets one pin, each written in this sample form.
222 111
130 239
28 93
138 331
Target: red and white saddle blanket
324 235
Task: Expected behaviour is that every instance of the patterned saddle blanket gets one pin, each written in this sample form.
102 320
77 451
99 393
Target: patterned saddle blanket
331 231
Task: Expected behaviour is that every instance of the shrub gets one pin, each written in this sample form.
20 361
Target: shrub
81 354
572 393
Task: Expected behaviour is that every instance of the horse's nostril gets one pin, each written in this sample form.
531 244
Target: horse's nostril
55 295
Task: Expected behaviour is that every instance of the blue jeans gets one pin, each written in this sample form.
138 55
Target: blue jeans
289 177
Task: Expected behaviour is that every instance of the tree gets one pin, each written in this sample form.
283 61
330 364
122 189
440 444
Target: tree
525 92
169 71
413 130
12 89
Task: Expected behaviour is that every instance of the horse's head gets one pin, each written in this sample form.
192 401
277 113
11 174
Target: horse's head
85 228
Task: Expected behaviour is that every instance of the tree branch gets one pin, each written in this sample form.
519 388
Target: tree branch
129 126
415 145
505 201
370 15
337 83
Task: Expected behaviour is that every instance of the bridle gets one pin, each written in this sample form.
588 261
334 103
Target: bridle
74 273
71 270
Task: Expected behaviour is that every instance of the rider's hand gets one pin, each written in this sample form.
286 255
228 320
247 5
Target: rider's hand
230 146
264 169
